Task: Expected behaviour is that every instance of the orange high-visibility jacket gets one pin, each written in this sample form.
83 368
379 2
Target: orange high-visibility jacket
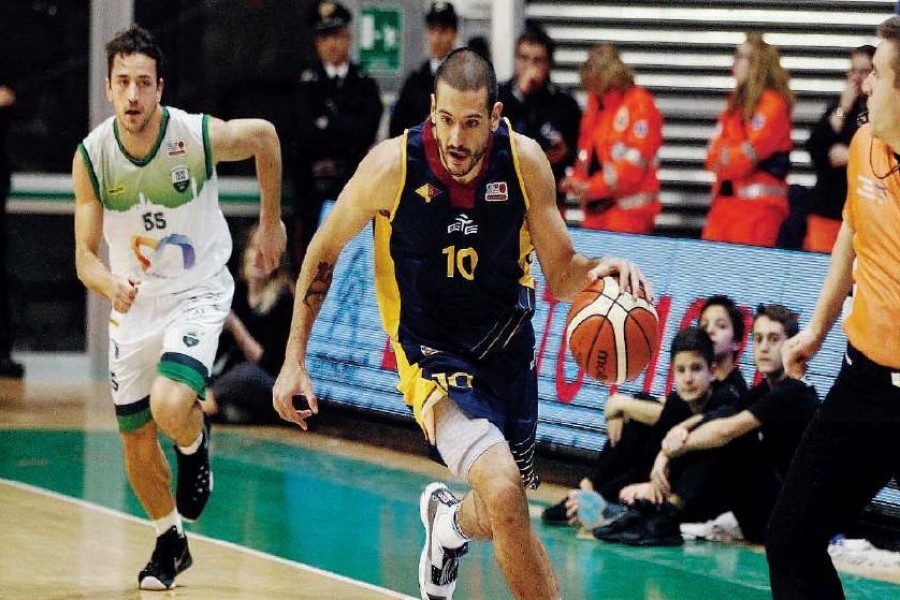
737 148
620 136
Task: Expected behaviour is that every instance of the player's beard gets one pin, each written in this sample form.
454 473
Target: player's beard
466 168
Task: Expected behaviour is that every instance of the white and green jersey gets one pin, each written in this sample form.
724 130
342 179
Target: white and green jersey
161 214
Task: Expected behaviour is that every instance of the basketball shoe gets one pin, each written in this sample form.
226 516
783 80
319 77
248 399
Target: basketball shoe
438 565
195 479
170 557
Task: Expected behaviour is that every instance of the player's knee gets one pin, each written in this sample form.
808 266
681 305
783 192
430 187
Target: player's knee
505 501
171 400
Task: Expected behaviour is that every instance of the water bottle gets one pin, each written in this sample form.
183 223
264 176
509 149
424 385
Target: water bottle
590 508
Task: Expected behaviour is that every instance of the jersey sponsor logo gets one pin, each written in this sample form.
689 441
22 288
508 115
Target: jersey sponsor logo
463 224
428 192
620 122
427 351
176 148
181 178
496 191
869 189
191 338
115 191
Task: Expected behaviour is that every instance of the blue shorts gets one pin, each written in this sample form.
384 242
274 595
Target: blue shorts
502 389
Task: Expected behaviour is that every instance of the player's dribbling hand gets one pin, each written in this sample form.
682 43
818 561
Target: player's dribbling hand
797 352
272 242
124 293
631 279
293 384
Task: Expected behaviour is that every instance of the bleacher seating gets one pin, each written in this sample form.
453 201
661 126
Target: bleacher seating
682 51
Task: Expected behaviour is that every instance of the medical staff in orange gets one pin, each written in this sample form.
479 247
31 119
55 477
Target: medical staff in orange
749 153
615 175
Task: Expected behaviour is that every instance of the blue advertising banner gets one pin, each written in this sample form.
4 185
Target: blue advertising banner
351 361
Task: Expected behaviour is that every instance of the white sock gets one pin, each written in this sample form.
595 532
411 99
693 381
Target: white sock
193 447
173 519
446 528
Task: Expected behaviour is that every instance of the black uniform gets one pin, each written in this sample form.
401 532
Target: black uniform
831 182
548 115
336 123
414 102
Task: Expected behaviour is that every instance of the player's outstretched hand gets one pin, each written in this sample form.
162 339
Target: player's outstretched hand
631 279
272 242
293 396
798 351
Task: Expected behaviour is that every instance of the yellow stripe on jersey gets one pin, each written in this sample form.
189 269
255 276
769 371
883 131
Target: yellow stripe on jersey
515 157
386 290
526 256
415 388
403 140
526 248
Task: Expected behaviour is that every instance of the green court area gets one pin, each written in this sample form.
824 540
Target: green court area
360 520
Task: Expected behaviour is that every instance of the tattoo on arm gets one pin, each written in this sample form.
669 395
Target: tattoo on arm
318 288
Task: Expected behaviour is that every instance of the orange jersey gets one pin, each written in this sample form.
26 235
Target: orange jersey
620 136
873 213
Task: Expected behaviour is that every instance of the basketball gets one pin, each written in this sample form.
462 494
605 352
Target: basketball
612 335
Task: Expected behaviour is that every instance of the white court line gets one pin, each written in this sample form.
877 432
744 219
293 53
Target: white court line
230 545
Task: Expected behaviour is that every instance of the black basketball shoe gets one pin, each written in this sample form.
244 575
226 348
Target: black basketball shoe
170 557
195 479
556 514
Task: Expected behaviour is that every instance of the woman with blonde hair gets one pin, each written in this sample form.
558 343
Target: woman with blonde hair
615 174
749 153
253 342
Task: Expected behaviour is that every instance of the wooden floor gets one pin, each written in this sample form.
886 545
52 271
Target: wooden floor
55 546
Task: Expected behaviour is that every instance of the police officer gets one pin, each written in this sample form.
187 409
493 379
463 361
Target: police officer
538 108
414 102
337 111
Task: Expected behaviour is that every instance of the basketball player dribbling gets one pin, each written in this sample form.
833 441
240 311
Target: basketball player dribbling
461 205
851 448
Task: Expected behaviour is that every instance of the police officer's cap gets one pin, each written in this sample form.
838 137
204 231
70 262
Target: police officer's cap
441 14
329 16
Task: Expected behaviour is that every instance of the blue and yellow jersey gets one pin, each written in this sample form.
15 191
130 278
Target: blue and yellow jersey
453 262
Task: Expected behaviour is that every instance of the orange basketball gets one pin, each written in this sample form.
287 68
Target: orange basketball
611 335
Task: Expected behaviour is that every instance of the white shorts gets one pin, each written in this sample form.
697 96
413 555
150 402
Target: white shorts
173 335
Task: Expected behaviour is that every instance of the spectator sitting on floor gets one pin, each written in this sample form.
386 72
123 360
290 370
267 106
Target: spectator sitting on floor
251 350
761 438
630 420
692 357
